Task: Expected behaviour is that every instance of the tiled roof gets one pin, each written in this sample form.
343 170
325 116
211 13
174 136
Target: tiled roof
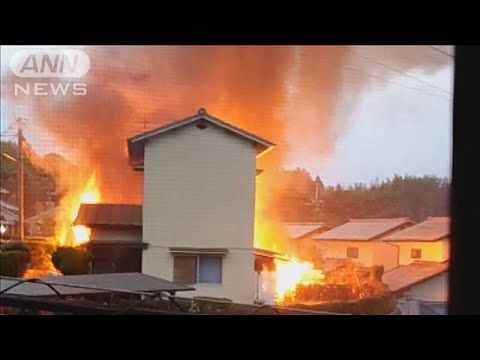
363 229
300 229
405 276
109 214
434 228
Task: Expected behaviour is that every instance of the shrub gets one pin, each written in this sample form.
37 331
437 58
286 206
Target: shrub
71 261
14 263
15 246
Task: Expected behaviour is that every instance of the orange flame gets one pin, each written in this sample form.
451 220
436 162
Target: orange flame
292 273
78 234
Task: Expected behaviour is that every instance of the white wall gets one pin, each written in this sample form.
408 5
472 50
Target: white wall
238 276
199 191
385 254
434 289
437 251
338 250
265 287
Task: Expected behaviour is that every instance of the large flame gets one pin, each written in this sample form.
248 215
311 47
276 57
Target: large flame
69 235
90 195
292 273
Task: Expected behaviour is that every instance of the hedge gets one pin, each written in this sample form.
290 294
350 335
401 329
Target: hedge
71 261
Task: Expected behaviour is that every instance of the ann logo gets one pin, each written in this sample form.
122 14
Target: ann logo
50 64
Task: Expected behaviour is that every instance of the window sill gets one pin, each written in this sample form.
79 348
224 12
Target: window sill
208 285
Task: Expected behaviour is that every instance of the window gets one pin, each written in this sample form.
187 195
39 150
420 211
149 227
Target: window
210 270
416 254
352 252
203 269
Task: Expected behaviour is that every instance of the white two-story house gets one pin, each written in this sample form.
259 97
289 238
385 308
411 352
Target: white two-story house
199 204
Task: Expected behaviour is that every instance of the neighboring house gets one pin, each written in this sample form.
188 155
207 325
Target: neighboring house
4 193
301 235
8 215
425 241
43 224
421 288
361 241
116 236
421 282
199 204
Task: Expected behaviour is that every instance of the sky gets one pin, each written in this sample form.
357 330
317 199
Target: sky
394 130
397 126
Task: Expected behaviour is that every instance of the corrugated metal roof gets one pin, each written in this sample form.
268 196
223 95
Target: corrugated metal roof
363 229
8 206
434 228
92 284
300 229
109 214
8 216
118 281
407 275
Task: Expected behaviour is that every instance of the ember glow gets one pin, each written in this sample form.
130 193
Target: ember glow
293 273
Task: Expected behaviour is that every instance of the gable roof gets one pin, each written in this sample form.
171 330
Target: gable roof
432 229
406 276
109 214
363 229
297 230
136 143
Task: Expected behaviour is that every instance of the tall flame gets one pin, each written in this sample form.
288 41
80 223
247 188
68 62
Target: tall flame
79 234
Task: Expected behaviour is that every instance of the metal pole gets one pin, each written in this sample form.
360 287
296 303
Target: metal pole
20 182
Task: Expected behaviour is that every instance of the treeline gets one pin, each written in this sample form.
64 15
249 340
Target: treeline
38 183
411 196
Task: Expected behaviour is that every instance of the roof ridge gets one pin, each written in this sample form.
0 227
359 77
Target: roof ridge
379 219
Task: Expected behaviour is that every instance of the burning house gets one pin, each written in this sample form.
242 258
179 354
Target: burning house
197 224
115 236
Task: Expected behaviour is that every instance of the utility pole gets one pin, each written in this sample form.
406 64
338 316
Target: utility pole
20 183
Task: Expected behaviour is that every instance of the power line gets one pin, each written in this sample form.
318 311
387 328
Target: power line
399 71
398 84
440 50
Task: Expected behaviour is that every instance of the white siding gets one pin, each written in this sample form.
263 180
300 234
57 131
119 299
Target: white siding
386 255
338 250
238 276
437 251
434 289
199 191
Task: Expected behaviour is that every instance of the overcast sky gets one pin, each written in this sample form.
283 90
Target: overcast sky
393 130
399 126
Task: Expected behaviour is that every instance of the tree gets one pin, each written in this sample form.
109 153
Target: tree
37 181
